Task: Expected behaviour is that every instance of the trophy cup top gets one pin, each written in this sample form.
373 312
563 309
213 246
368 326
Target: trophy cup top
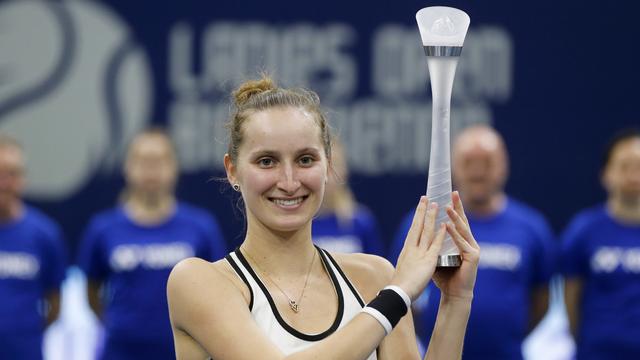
442 26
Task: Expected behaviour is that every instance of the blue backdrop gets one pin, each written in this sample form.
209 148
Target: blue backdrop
557 79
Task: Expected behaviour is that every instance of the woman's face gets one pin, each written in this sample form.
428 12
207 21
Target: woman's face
622 173
151 167
281 168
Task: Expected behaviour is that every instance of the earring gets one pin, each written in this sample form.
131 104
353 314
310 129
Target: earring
236 187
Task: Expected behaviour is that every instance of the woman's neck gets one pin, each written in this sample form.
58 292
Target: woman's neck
625 210
12 211
279 253
150 209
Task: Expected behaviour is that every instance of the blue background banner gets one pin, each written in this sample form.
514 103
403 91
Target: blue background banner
78 79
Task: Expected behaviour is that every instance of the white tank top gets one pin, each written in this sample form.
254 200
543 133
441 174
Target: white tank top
264 312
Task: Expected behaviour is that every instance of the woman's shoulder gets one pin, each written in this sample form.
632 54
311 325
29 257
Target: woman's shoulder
369 273
195 275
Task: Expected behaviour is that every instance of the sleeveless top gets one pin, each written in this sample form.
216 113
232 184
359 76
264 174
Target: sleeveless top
265 314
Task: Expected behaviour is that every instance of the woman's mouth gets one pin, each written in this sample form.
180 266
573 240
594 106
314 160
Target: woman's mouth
288 203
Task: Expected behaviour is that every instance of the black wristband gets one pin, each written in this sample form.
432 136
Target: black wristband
390 305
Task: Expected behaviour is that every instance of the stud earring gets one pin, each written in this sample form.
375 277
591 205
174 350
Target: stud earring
236 187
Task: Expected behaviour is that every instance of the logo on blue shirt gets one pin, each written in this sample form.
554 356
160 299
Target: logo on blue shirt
153 256
499 256
18 265
609 258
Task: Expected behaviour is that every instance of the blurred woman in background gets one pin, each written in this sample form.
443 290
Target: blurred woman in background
127 252
601 260
342 224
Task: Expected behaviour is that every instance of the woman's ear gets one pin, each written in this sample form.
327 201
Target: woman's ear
605 179
230 168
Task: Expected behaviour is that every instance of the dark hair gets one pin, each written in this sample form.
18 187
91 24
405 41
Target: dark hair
620 136
256 95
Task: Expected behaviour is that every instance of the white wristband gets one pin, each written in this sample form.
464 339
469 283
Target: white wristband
403 295
381 318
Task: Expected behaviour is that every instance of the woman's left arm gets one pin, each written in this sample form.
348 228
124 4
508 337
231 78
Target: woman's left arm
369 275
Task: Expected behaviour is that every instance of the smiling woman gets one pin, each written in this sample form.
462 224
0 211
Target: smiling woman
282 169
281 296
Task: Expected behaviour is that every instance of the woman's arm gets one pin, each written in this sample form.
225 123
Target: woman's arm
93 295
451 324
572 295
211 309
456 287
369 274
218 319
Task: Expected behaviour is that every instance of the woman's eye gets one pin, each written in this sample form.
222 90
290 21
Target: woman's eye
306 160
265 162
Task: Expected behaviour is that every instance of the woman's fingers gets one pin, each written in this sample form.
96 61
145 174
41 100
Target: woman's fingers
469 253
458 239
462 226
436 245
457 205
426 238
417 225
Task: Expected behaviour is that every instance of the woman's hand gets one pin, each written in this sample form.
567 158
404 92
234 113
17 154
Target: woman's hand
459 282
419 256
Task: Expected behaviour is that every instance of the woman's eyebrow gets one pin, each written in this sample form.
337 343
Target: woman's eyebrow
308 150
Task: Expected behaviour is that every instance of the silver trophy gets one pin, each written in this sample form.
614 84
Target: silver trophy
442 30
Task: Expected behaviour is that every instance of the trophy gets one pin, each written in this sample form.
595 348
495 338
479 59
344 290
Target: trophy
442 30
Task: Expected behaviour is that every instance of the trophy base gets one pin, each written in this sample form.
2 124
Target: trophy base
449 261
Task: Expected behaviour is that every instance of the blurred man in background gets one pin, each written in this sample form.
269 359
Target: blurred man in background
517 257
342 224
32 263
128 252
601 260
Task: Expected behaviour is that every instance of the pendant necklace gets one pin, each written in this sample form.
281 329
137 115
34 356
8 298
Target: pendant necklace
293 304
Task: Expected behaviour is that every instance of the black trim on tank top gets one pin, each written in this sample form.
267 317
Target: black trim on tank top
276 313
345 278
241 274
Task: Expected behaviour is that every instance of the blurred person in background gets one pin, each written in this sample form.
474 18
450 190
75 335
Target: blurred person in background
32 263
517 258
601 260
342 224
127 252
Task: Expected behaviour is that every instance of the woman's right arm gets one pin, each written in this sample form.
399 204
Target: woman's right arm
218 319
208 307
572 295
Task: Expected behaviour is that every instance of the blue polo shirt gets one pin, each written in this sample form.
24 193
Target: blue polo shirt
32 264
134 262
605 254
518 253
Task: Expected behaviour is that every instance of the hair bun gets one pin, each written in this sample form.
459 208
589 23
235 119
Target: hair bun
249 88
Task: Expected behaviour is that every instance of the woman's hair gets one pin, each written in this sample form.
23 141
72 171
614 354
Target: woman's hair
153 132
262 94
340 200
619 137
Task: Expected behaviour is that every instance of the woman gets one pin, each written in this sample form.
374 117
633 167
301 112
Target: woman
128 252
601 260
279 297
342 224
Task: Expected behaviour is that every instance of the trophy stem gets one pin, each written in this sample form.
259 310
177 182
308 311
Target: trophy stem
442 72
442 31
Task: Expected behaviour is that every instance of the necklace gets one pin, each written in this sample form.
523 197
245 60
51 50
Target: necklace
293 304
